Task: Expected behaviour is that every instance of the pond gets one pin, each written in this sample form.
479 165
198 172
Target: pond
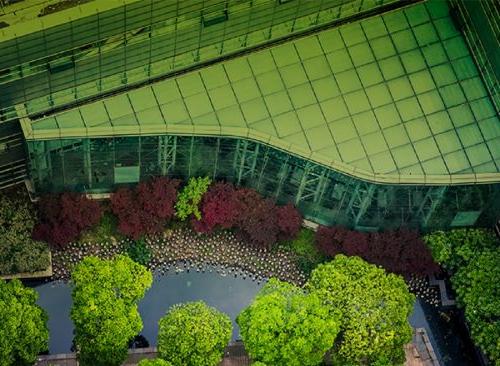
227 293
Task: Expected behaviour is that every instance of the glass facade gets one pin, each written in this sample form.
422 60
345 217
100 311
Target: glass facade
397 95
95 165
479 21
89 55
365 119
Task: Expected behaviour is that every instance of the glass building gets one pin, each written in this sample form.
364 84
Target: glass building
366 113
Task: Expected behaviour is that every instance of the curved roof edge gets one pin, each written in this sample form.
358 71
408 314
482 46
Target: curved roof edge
272 141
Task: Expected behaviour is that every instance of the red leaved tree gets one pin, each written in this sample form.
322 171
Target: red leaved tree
145 209
256 219
289 221
62 217
219 208
330 239
398 251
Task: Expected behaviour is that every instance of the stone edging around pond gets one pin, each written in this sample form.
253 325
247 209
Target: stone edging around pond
31 275
234 352
183 249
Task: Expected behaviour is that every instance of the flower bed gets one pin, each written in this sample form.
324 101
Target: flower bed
183 249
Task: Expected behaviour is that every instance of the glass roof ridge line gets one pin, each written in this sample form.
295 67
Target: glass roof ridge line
341 167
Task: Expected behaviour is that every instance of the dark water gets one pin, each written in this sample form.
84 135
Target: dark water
226 293
229 295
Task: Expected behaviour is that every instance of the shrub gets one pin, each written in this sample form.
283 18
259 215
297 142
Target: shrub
139 252
103 231
147 208
63 217
23 325
18 251
219 208
399 251
306 254
190 197
193 334
374 308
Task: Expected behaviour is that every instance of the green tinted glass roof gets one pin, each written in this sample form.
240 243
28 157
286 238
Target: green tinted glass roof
394 98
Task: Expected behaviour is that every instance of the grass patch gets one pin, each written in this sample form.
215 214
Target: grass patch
307 255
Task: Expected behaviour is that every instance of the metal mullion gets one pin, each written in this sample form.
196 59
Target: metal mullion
314 92
216 162
372 108
262 94
234 94
343 99
175 33
265 160
225 27
288 95
191 144
459 83
442 100
394 102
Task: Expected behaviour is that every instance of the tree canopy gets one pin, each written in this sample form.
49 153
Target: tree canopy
286 326
105 297
193 334
374 308
23 325
472 256
145 209
63 217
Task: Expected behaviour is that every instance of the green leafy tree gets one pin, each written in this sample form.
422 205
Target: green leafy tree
455 248
154 362
190 197
105 314
472 256
478 290
193 334
286 326
374 307
23 325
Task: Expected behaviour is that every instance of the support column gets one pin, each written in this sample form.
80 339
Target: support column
167 149
311 184
245 159
87 162
429 204
361 200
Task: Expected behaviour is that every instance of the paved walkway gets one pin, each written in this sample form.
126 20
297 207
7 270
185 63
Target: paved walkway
235 355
